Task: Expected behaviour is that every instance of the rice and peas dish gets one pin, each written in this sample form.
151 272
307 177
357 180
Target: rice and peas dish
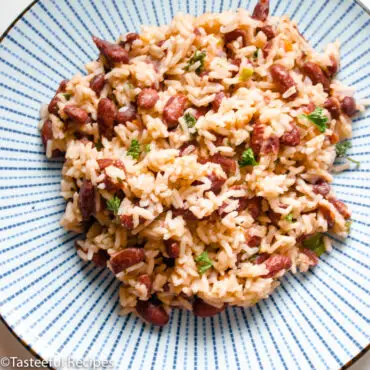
198 159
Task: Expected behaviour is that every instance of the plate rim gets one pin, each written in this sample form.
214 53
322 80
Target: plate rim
27 346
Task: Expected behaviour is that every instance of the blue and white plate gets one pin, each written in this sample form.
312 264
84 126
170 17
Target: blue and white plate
61 307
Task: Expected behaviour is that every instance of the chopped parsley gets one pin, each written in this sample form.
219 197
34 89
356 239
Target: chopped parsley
190 120
255 54
245 74
289 218
318 118
247 158
204 262
199 56
341 150
67 96
147 148
315 243
113 204
134 150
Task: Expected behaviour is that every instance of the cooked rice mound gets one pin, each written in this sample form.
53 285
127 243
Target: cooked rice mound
198 159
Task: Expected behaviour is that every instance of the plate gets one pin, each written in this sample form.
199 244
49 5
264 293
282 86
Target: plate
63 308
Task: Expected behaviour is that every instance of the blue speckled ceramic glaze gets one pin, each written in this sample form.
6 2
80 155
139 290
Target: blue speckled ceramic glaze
61 306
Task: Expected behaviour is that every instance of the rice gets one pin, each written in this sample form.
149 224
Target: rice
195 164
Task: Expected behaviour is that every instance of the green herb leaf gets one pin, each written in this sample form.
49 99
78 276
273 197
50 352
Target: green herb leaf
341 150
289 218
190 120
113 204
247 158
199 56
134 150
315 243
245 74
67 96
147 148
204 262
255 54
318 118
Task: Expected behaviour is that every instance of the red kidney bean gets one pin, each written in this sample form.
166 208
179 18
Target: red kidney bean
186 145
172 248
276 263
200 112
227 164
131 37
261 258
126 258
311 255
328 215
145 280
236 62
76 114
47 132
113 52
106 162
271 145
185 213
321 187
253 240
274 217
333 106
309 108
218 100
219 139
53 105
316 75
86 200
127 115
216 183
128 221
203 309
100 258
282 79
243 203
341 207
261 10
234 35
97 83
349 106
107 112
292 137
267 30
257 139
147 98
267 48
254 206
174 109
62 86
333 68
152 313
